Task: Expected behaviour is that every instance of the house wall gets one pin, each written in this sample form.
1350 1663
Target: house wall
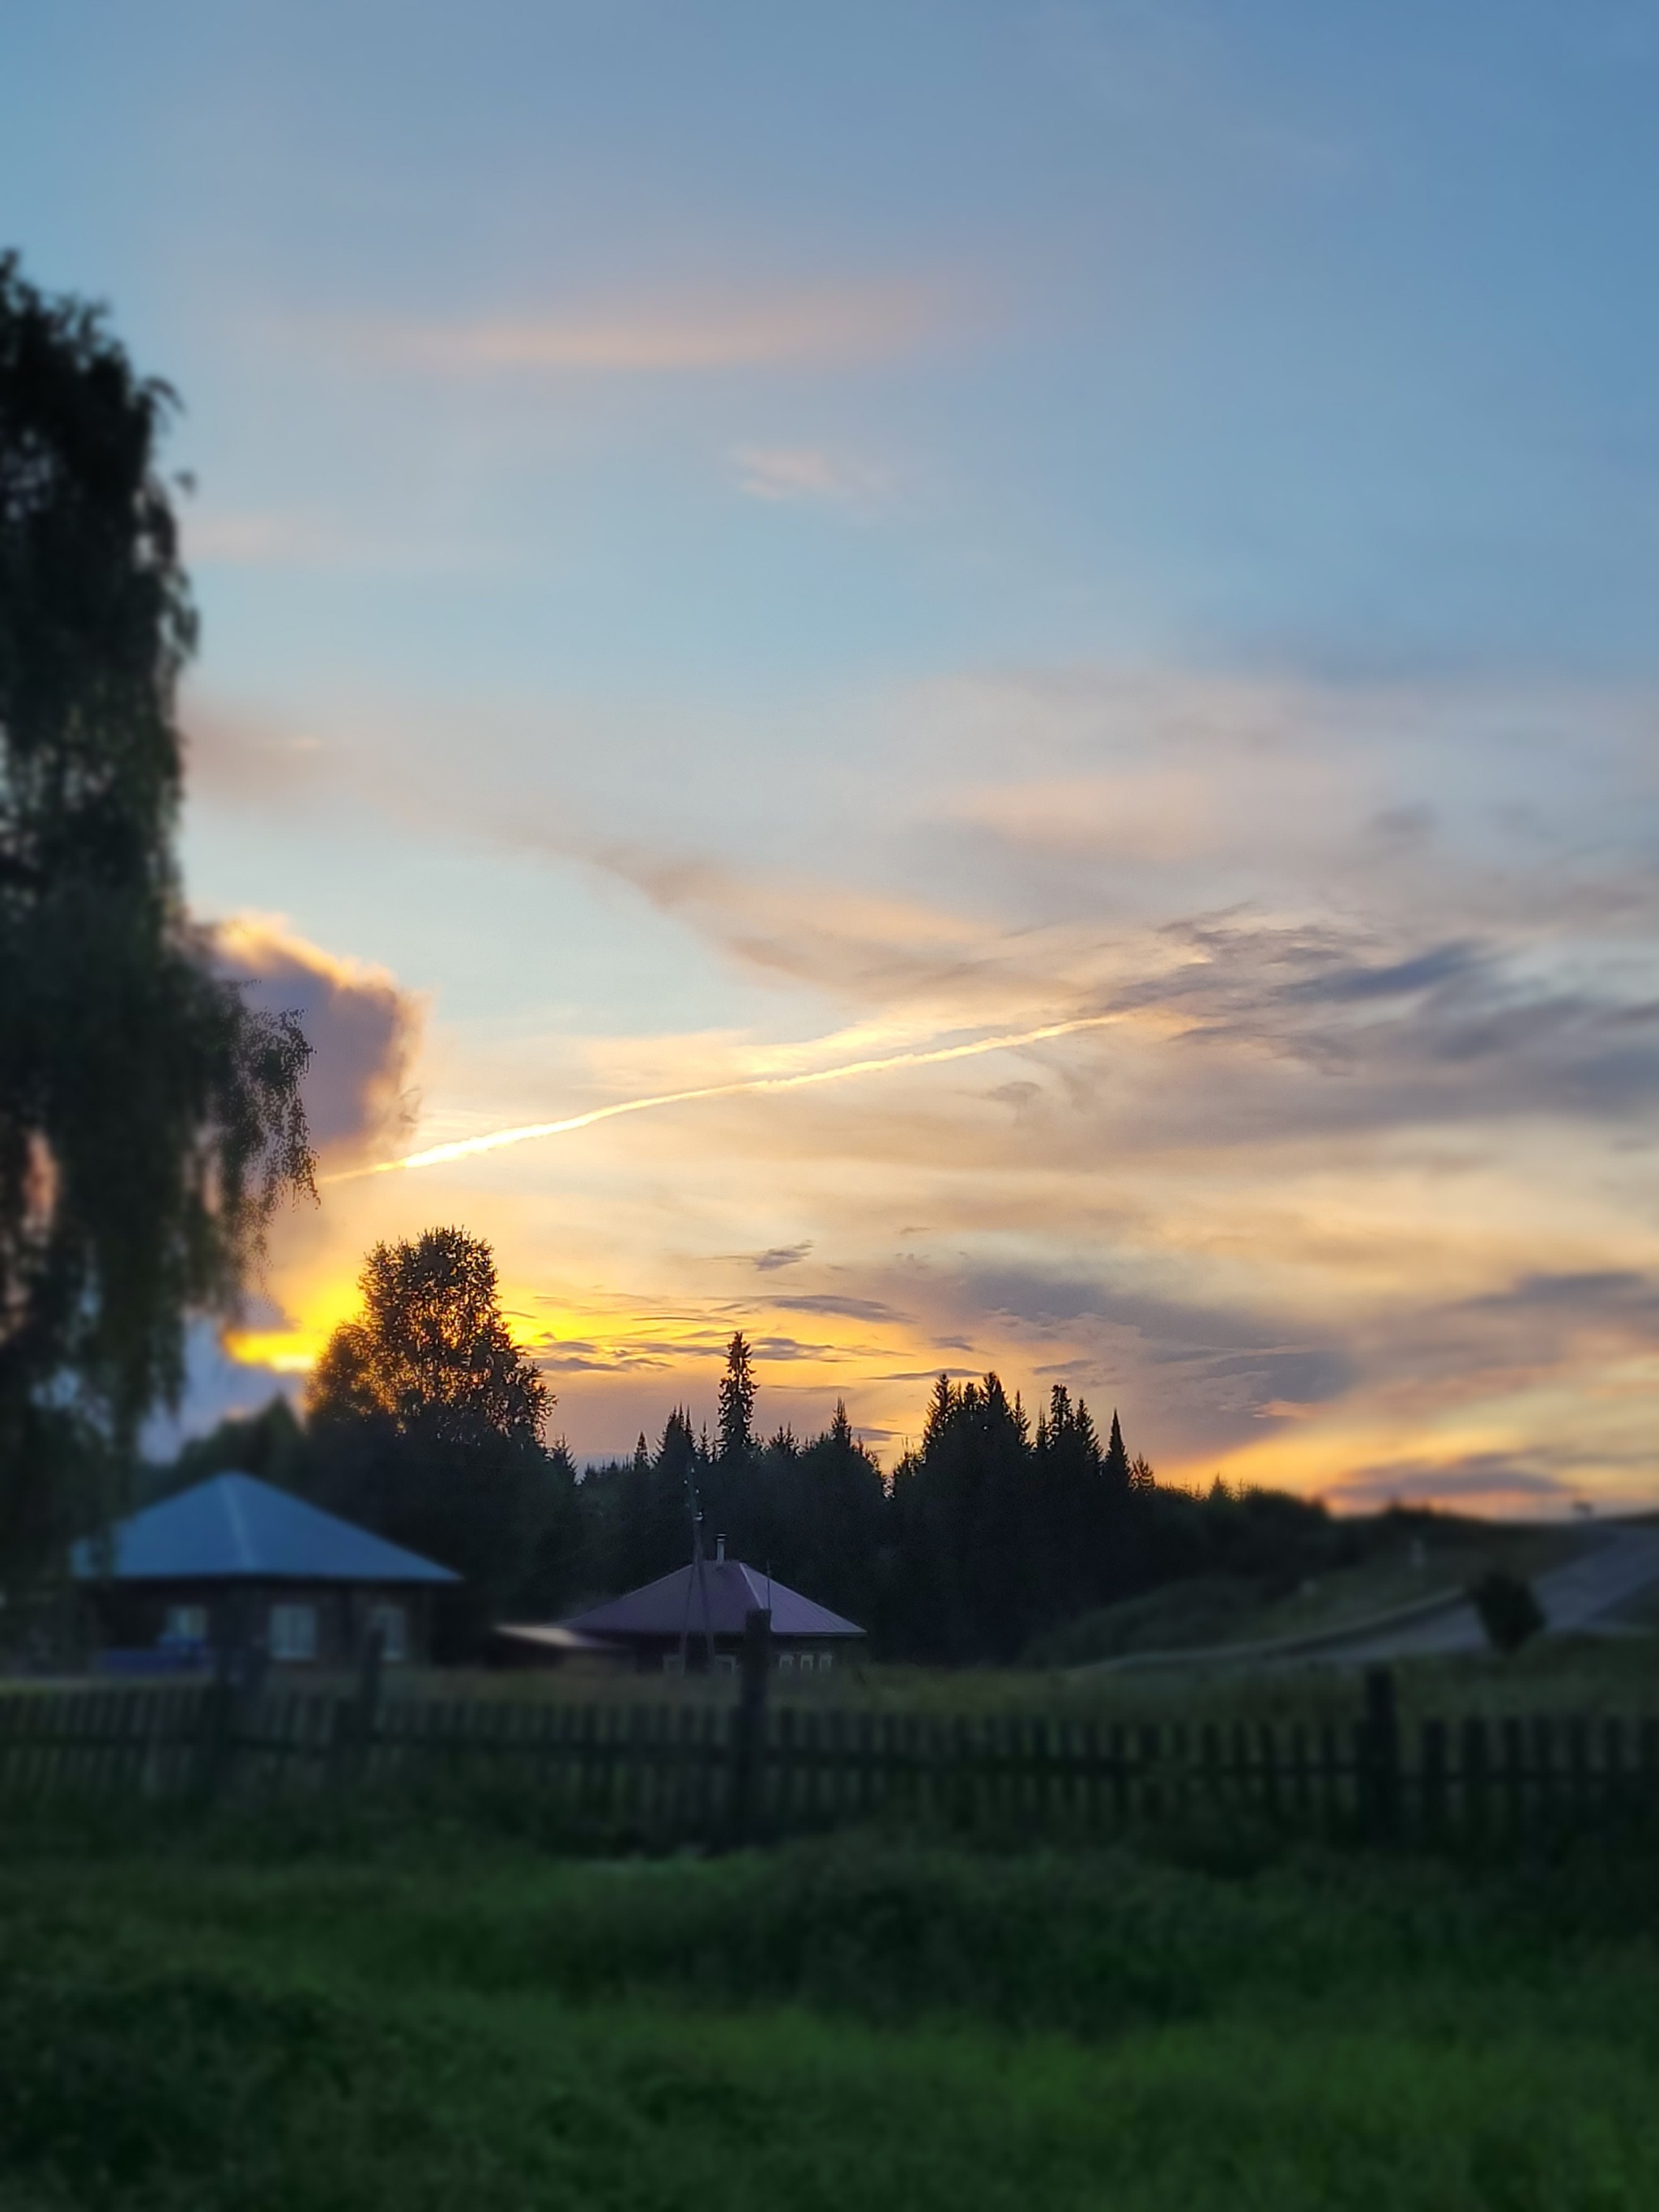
790 1654
134 1615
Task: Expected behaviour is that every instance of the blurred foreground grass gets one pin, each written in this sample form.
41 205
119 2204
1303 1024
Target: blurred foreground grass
366 2016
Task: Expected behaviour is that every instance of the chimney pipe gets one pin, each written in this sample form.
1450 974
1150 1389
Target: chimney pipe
719 1551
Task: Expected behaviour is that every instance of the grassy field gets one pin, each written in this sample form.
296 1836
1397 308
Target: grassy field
1436 1556
272 2018
1555 1675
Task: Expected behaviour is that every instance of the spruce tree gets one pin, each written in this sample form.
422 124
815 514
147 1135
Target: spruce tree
736 1402
1116 1467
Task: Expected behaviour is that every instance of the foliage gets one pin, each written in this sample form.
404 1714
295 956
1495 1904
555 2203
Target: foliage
455 2023
432 1353
815 1515
426 1424
271 1443
994 1542
990 1534
737 1401
1509 1612
149 1119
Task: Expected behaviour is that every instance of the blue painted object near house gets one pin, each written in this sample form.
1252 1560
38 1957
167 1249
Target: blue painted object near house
151 1659
234 1560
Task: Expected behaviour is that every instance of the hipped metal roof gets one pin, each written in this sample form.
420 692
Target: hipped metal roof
233 1528
728 1589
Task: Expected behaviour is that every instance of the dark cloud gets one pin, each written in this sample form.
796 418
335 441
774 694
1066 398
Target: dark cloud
1476 1475
1398 980
1218 1349
1617 1290
1402 825
361 1028
782 1255
1018 1096
827 1302
1309 1034
576 1357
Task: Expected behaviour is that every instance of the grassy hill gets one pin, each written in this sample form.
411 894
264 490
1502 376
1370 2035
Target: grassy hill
1398 1561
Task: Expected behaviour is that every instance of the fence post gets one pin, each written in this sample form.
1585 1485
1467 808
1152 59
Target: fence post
1432 1813
1513 1738
216 1740
238 1678
368 1698
1477 1776
1380 1775
749 1733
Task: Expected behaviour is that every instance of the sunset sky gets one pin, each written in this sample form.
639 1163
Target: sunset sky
739 542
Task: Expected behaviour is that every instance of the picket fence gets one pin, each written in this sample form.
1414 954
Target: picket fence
699 1772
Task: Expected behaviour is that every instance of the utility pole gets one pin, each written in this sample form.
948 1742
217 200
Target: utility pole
697 1578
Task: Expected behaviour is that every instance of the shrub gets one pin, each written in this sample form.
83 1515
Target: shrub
1509 1612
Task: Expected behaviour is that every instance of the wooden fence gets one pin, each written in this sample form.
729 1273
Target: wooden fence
664 1774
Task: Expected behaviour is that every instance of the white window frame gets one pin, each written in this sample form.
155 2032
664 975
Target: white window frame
392 1621
291 1632
725 1663
826 1661
805 1662
785 1662
185 1624
673 1663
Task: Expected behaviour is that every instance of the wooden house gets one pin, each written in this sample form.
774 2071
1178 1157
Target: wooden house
234 1563
695 1616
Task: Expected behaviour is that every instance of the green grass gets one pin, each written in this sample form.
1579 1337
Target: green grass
1440 1557
365 2018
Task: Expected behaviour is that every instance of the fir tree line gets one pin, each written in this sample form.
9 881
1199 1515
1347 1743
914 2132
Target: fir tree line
992 1536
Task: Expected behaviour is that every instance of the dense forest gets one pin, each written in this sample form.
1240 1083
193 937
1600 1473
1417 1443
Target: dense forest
986 1540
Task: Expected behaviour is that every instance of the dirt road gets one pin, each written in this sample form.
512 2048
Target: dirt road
1625 1559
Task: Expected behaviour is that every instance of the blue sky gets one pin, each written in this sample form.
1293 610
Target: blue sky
734 538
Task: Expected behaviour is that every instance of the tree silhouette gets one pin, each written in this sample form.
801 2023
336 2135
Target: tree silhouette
431 1351
426 1424
1119 1474
149 1119
736 1402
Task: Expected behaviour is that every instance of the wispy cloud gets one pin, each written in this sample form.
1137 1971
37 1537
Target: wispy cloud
780 327
780 1255
1497 1481
806 475
281 538
1324 1143
257 539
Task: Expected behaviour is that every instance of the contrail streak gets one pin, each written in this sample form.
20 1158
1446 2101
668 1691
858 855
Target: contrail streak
528 1133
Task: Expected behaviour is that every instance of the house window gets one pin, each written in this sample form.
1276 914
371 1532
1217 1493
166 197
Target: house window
786 1660
294 1631
826 1661
187 1624
392 1621
805 1662
673 1663
725 1663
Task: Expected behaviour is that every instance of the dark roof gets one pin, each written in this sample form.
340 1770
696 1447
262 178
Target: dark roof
236 1527
731 1591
